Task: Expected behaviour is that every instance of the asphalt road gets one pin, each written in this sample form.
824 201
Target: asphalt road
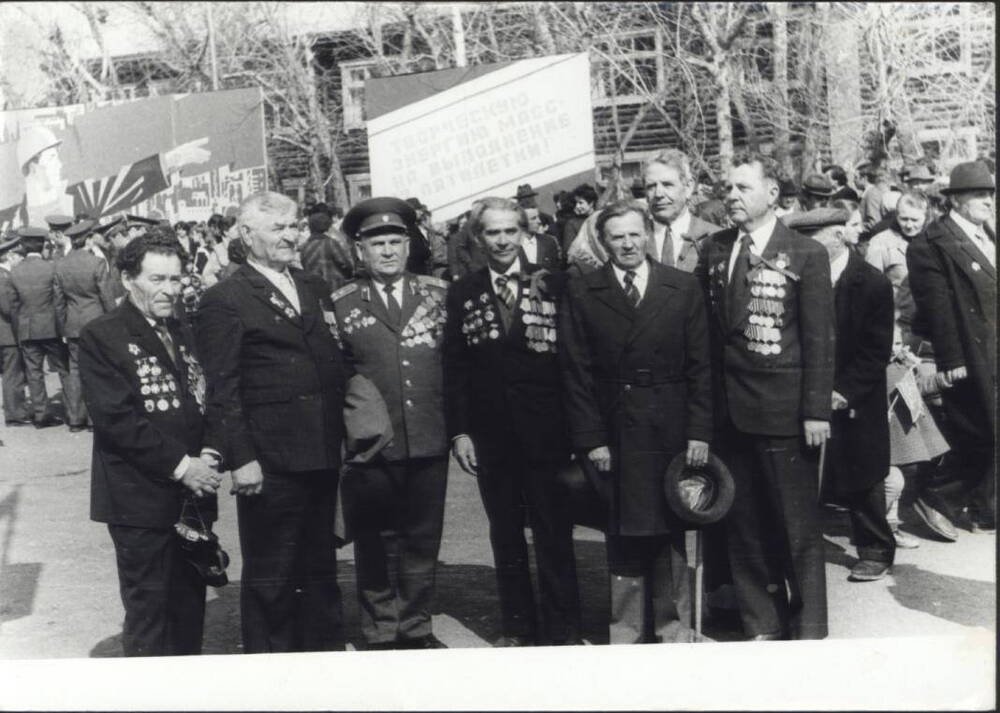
59 590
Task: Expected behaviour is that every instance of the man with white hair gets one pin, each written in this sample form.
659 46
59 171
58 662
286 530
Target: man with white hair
274 411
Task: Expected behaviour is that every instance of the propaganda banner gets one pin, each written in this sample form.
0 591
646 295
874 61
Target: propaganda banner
184 156
455 135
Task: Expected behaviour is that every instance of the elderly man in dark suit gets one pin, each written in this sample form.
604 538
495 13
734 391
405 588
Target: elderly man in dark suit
391 326
276 382
84 294
858 452
678 234
145 393
539 247
15 406
635 358
952 270
32 299
772 316
505 417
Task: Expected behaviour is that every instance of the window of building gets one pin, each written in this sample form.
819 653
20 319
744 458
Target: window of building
359 187
352 79
635 73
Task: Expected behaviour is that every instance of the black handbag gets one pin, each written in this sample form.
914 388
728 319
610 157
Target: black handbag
201 546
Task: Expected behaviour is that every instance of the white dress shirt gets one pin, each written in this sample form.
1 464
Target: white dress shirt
678 229
530 247
838 265
281 280
978 237
397 291
641 277
758 241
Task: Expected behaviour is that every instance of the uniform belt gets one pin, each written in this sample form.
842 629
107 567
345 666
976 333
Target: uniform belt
643 377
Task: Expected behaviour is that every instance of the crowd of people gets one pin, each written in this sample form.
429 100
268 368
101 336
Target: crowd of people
627 362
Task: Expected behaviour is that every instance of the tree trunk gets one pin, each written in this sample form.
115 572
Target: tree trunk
782 133
724 118
543 36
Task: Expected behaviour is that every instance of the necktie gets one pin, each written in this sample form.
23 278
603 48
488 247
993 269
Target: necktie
504 290
631 291
392 305
988 249
164 334
739 290
667 251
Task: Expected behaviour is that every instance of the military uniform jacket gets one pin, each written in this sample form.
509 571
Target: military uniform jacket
502 386
147 414
955 290
33 299
776 360
84 291
637 380
276 378
864 307
7 336
402 360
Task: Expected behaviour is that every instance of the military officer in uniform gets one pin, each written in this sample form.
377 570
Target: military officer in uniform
58 245
772 315
84 293
390 327
33 301
506 420
15 406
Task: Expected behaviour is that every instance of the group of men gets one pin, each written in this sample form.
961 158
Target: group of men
684 344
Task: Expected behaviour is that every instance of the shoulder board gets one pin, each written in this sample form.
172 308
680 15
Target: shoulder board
434 281
344 291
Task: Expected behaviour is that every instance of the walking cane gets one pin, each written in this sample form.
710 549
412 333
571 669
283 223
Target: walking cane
822 462
699 575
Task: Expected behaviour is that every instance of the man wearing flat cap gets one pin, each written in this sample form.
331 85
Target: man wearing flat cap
817 192
858 451
84 294
15 406
637 382
953 279
58 245
390 326
33 299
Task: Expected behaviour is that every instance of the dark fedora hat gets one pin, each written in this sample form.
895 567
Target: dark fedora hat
970 176
818 185
525 191
698 496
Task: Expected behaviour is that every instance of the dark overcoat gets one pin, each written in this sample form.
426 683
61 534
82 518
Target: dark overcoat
638 381
955 290
8 338
276 378
502 385
84 291
772 393
147 415
402 360
859 450
549 256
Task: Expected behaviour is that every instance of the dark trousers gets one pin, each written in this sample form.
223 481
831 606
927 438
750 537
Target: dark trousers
15 405
965 477
511 488
870 529
774 537
395 512
650 589
163 595
289 596
34 352
76 409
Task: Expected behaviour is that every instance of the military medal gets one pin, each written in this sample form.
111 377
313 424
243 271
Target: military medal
150 406
162 404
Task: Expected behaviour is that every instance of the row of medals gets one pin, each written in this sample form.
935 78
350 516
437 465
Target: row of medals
423 327
355 320
164 387
480 324
763 333
539 317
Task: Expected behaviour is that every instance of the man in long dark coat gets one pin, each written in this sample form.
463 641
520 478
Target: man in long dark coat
858 453
638 390
954 283
772 314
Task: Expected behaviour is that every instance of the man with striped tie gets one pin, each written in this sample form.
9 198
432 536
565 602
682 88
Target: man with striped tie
504 416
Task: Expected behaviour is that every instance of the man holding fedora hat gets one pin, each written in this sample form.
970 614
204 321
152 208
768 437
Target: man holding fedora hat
953 278
637 382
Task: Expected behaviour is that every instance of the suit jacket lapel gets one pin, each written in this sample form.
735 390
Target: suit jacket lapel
966 253
718 277
149 340
376 304
658 288
608 290
411 299
307 303
263 290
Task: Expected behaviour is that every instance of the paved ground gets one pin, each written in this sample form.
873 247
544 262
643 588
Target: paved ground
59 598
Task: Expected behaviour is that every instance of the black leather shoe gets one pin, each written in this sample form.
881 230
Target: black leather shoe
380 646
778 636
77 429
17 422
423 642
505 641
935 521
47 421
868 571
